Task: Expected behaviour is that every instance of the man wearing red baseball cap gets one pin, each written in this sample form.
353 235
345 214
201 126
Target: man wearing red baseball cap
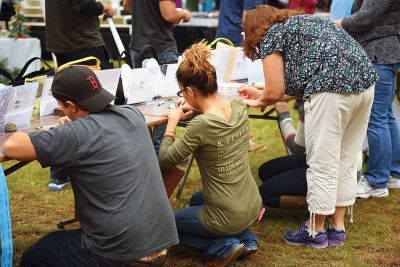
120 198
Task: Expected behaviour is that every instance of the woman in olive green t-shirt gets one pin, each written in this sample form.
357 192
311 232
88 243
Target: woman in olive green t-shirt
218 138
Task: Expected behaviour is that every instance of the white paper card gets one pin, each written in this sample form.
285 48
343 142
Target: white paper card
255 73
239 71
47 102
142 86
109 79
20 105
169 84
219 60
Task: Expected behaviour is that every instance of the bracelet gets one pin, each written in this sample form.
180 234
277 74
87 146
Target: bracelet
169 132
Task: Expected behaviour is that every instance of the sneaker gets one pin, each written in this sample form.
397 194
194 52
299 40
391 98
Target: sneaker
302 237
57 185
336 237
393 182
365 190
235 253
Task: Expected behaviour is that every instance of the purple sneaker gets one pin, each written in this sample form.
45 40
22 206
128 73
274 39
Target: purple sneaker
302 237
336 237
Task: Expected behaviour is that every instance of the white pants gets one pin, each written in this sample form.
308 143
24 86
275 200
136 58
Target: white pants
335 127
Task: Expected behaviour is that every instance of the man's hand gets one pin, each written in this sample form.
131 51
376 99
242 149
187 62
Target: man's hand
108 11
63 120
249 92
186 15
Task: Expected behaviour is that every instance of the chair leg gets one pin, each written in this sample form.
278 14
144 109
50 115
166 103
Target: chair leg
183 181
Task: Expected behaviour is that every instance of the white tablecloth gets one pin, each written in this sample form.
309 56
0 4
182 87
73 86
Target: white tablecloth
14 53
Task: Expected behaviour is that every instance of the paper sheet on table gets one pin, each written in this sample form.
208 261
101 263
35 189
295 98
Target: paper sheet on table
255 73
169 84
5 92
109 80
20 105
229 88
142 86
47 102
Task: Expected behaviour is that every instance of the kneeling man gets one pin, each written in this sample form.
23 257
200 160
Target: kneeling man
120 199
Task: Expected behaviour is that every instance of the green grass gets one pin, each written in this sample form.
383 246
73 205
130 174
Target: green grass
373 239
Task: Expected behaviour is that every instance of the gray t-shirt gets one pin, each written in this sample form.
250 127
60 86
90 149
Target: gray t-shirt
120 198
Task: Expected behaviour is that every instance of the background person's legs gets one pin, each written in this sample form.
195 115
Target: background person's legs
280 165
383 132
289 183
58 179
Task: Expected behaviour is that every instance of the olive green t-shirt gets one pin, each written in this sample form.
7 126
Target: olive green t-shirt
232 200
71 27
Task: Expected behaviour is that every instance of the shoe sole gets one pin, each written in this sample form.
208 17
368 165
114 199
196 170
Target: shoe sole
336 245
230 258
393 186
247 253
317 246
382 194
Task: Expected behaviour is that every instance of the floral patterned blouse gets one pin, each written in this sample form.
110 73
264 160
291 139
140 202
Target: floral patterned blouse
318 57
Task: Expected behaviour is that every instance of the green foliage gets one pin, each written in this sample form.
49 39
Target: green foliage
17 27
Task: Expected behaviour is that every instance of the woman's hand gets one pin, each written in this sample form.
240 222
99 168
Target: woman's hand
185 106
249 92
178 114
257 103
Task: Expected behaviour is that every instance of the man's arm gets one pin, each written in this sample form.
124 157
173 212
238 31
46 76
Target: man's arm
170 14
19 146
94 8
127 4
364 19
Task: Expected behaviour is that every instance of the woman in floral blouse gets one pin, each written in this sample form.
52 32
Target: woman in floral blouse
309 57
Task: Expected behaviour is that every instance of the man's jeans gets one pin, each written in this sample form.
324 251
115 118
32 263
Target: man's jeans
193 233
63 248
383 131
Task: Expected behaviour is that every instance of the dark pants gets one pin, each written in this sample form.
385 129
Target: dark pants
101 53
284 176
63 248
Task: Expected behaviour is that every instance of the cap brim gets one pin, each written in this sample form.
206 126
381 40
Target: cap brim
98 101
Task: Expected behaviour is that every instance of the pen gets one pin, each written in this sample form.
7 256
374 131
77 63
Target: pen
181 104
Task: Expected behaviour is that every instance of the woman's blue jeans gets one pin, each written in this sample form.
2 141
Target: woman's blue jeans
383 132
193 233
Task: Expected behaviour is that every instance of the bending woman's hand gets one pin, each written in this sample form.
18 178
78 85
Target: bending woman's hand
249 92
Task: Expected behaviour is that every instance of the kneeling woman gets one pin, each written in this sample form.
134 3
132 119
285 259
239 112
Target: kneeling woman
216 224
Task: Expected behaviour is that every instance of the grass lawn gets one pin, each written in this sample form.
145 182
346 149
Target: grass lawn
373 239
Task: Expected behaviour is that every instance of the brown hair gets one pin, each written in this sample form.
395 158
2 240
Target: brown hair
195 69
257 22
